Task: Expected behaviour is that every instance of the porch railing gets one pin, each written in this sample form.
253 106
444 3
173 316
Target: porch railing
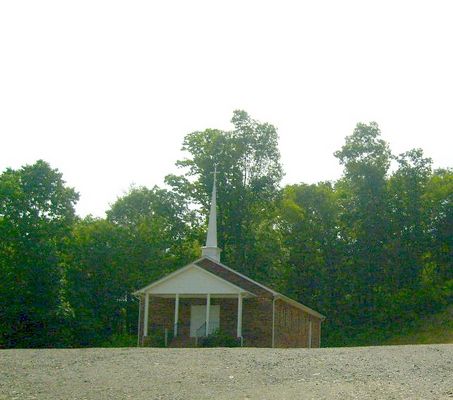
201 331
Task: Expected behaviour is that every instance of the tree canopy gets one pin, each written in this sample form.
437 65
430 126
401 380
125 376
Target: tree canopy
36 218
372 250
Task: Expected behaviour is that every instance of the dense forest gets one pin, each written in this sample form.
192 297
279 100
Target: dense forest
372 251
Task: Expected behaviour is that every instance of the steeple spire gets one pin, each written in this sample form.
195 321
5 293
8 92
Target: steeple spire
211 250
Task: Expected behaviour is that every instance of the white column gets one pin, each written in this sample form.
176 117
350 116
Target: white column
175 328
208 309
319 334
145 322
139 320
239 330
273 322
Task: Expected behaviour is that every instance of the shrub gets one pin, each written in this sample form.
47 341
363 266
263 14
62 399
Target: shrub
123 340
156 338
220 339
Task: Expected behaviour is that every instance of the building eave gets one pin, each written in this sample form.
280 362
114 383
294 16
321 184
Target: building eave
296 304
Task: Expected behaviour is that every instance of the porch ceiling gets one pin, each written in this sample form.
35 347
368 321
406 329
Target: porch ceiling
202 296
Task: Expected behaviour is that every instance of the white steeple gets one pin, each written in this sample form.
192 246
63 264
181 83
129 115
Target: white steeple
211 250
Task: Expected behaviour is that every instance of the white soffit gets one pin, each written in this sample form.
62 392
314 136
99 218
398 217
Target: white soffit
194 280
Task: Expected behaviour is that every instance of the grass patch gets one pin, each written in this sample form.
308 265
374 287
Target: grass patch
435 329
429 329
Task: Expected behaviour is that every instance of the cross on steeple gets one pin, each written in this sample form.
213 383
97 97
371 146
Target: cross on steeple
215 172
211 250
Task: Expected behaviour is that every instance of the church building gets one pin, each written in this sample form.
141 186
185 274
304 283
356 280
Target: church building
207 296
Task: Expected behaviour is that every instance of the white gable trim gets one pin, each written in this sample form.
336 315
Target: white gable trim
174 273
195 280
187 267
224 280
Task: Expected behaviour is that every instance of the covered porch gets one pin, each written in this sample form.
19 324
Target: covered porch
191 304
183 319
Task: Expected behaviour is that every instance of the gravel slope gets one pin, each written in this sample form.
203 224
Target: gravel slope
388 372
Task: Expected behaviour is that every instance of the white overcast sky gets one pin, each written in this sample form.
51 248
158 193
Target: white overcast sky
106 90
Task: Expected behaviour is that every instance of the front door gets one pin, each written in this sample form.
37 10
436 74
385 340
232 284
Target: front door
198 319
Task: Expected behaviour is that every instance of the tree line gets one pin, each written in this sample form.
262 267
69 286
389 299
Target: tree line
372 251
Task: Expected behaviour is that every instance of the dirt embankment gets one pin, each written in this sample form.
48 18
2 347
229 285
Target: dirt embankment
389 372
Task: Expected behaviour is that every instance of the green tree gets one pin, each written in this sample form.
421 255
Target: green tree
162 227
309 223
409 219
363 203
248 161
439 198
98 282
147 233
36 214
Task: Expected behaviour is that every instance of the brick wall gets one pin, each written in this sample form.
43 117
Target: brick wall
228 315
257 322
292 326
316 333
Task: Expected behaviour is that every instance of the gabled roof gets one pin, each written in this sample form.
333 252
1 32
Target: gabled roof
251 285
236 279
193 280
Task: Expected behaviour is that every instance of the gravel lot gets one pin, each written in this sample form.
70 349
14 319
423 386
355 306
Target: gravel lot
388 372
